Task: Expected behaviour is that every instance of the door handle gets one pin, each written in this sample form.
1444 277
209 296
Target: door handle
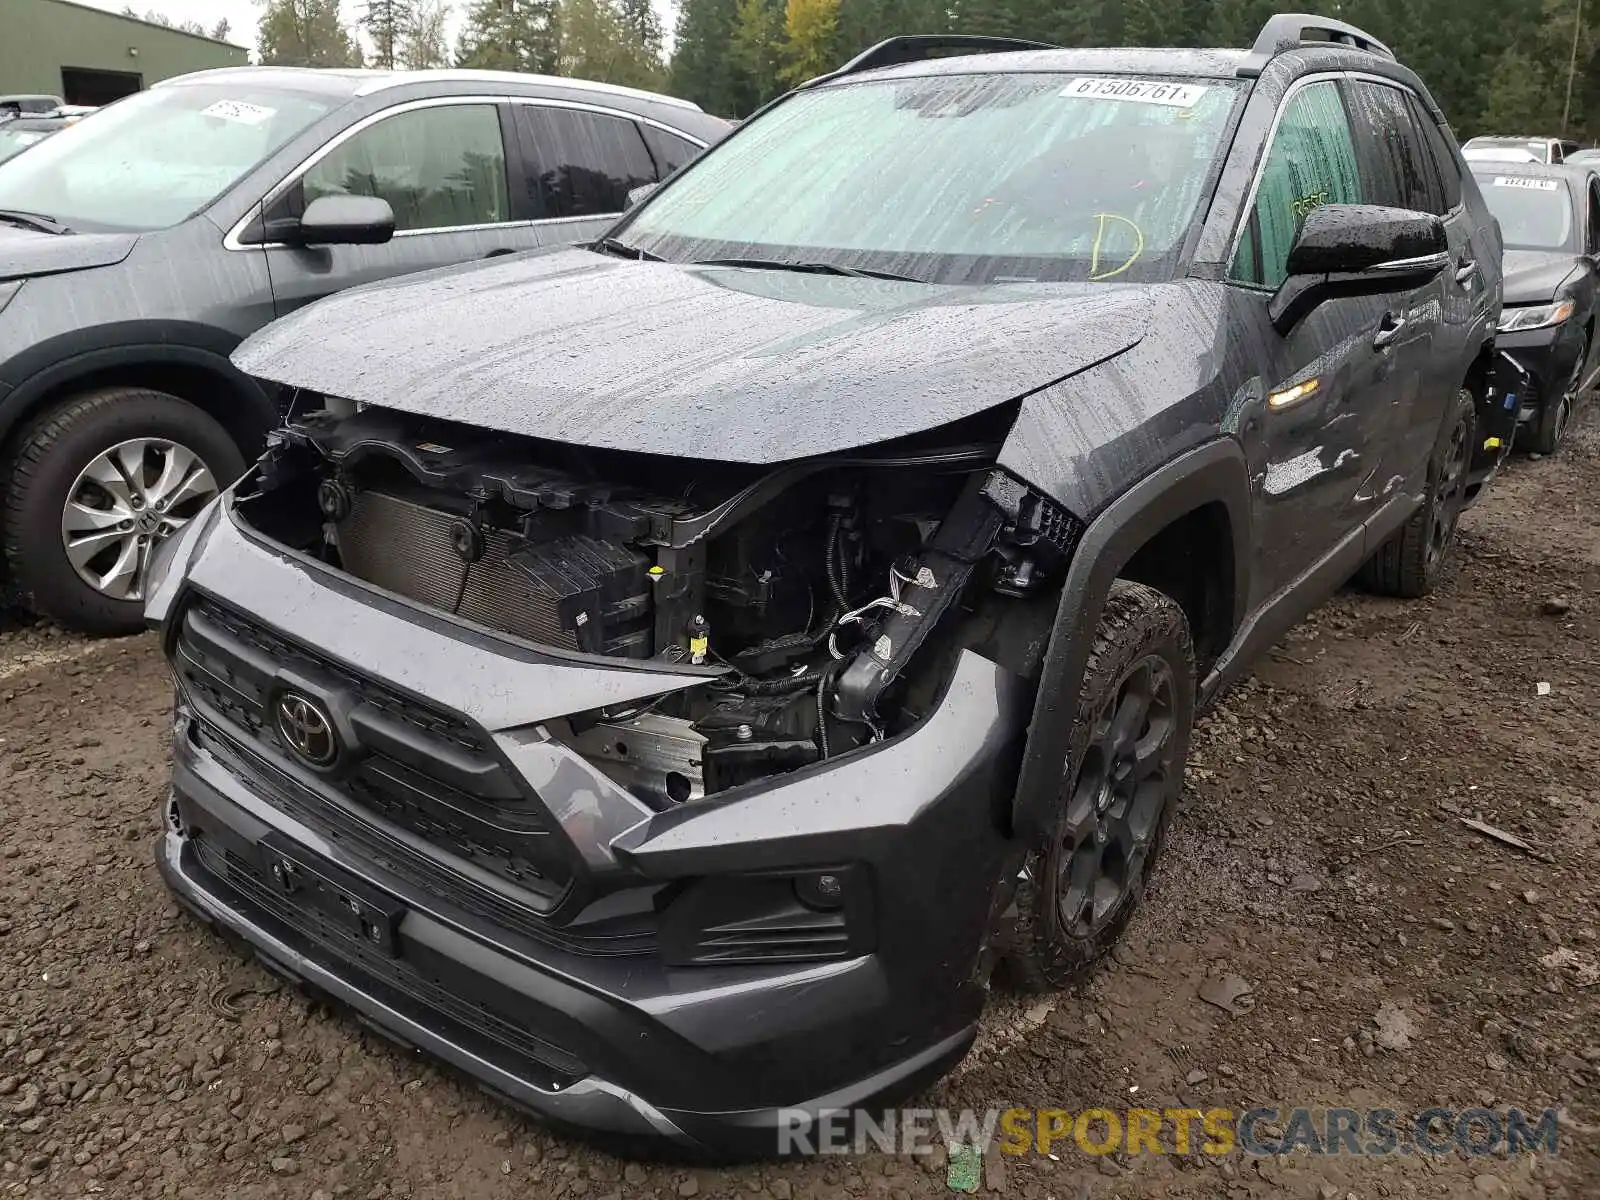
1387 332
1466 268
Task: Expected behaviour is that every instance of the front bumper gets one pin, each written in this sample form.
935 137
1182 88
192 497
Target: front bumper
600 1037
1549 356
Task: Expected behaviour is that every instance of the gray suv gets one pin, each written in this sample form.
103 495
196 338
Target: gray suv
138 249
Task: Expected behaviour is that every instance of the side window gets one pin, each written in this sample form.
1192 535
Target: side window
1594 217
1311 162
1394 167
1438 147
668 149
583 164
438 167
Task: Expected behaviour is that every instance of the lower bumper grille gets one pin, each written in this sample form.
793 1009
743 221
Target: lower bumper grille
412 980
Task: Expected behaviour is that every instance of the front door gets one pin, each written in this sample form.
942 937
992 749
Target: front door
1320 395
442 166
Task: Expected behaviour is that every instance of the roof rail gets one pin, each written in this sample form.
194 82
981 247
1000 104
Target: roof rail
917 47
1287 31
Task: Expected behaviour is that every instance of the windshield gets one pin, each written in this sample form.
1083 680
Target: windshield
1534 214
956 179
1520 149
157 157
14 141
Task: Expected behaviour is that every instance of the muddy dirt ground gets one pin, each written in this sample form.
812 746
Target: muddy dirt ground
1396 957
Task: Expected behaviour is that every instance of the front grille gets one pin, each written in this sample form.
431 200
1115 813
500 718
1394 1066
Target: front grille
411 979
451 791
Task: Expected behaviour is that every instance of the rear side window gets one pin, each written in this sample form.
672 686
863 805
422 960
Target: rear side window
668 149
1311 162
1395 170
439 167
1438 148
1593 246
582 164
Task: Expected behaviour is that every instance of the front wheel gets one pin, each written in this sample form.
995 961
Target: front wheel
92 487
1121 776
1555 414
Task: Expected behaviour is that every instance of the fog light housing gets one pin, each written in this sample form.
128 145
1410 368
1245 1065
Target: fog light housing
824 891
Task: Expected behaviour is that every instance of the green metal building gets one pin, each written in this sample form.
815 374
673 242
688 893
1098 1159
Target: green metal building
89 56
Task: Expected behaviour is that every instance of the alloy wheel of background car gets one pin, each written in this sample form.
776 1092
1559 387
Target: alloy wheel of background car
123 504
1122 774
89 478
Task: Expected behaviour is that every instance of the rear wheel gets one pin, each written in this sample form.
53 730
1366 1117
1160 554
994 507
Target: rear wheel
1120 780
93 486
1410 563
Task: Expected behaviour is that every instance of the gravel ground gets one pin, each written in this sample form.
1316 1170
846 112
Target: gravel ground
1396 956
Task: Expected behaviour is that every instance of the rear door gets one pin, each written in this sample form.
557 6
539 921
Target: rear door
1433 352
1312 442
443 167
580 163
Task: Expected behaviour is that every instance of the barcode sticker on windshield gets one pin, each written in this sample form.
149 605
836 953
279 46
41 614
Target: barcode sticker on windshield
238 110
1137 91
1538 185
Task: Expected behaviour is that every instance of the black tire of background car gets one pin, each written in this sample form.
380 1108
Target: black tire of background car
46 459
1404 565
1036 952
1555 414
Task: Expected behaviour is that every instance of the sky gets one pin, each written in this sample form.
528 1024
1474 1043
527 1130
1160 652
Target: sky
243 15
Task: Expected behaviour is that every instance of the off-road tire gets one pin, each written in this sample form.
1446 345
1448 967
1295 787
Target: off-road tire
1036 951
1411 563
45 460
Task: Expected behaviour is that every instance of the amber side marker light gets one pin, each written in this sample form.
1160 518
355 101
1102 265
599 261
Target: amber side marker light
1292 396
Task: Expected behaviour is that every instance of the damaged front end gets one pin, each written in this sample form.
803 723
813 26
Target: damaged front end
660 795
805 594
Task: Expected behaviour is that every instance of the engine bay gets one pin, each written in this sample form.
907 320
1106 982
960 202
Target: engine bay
804 592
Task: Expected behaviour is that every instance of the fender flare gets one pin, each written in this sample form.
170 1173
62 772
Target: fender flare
1212 473
247 412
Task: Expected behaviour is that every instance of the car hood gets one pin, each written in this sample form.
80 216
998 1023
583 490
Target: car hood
1532 276
25 253
728 364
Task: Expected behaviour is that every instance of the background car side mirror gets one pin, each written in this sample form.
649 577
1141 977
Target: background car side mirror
1355 250
639 193
344 221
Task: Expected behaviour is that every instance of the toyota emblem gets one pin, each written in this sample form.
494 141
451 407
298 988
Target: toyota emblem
306 729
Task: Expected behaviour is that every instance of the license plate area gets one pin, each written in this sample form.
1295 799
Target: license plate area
338 897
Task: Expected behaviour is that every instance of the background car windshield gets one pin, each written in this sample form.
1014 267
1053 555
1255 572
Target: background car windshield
15 141
957 178
151 160
1534 214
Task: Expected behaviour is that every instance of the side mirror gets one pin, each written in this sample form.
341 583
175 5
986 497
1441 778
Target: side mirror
639 193
1357 250
344 221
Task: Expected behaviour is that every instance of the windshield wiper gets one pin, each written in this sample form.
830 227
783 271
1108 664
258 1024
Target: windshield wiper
29 220
813 268
620 248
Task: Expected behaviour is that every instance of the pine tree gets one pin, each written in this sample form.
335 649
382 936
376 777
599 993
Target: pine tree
511 35
306 33
221 29
702 68
385 22
422 41
598 41
757 46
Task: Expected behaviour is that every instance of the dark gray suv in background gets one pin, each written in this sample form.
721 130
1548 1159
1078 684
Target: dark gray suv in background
137 249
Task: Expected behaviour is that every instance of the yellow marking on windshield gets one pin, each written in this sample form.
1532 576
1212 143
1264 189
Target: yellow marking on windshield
1095 273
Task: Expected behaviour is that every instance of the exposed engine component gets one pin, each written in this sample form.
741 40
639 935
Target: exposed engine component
806 592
